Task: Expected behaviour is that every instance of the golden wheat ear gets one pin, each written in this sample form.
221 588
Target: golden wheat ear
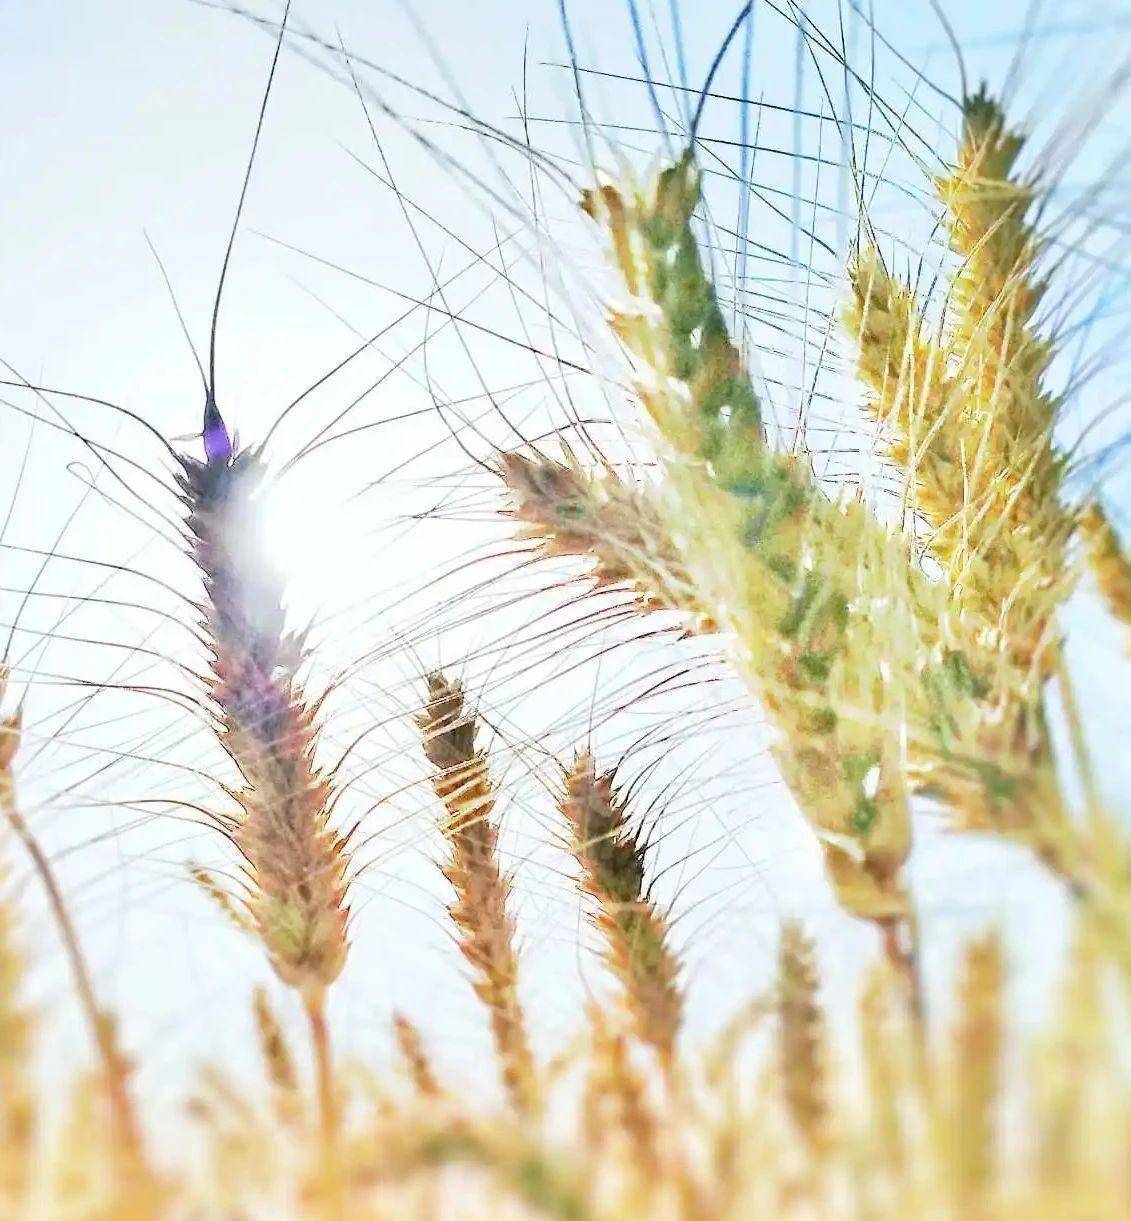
278 1060
611 855
481 910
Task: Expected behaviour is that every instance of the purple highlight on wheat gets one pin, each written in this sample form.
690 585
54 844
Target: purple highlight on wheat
217 440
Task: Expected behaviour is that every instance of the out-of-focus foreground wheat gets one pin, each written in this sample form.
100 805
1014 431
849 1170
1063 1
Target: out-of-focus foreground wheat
893 662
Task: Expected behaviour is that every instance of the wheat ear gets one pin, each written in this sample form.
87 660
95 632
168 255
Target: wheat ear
1005 554
810 591
415 1059
278 1061
635 930
969 420
802 1039
481 910
296 863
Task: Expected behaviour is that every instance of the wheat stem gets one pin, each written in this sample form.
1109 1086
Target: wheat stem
315 1007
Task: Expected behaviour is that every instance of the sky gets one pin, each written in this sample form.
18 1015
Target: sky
129 128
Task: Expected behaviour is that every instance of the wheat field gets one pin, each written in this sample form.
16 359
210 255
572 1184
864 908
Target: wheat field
567 614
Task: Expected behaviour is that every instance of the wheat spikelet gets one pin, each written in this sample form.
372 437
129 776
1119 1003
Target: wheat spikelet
617 526
1110 561
414 1058
486 927
635 930
802 1049
276 1056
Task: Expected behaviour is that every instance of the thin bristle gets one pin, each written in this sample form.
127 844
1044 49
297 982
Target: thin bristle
481 910
635 930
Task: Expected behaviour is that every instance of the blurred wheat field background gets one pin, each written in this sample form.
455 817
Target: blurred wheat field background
591 679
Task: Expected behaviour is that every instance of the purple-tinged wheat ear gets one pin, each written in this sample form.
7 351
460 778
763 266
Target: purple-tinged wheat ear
296 864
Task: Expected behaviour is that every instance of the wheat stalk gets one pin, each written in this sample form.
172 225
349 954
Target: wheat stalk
481 910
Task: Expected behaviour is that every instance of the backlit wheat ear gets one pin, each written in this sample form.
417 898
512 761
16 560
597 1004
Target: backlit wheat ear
617 526
1111 562
296 863
802 1039
635 930
481 910
809 591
